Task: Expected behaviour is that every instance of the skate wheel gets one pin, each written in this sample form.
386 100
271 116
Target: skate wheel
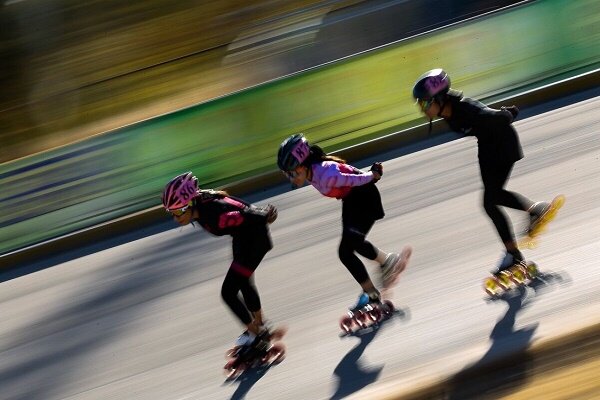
491 286
275 355
532 270
232 371
387 307
375 315
360 319
346 324
558 202
232 352
504 279
518 274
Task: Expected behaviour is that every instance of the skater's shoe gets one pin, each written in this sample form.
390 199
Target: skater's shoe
261 343
245 339
250 345
265 328
365 299
536 214
508 261
266 334
393 265
389 269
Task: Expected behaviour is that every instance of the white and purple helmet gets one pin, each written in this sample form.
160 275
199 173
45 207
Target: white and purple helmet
292 152
180 191
431 85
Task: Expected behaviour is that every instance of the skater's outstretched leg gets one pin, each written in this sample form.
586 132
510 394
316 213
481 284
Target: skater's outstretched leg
514 200
499 218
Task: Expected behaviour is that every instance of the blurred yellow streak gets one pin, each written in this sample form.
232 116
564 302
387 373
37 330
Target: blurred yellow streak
570 382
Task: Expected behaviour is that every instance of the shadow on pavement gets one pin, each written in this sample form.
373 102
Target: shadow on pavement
487 375
65 342
351 374
246 381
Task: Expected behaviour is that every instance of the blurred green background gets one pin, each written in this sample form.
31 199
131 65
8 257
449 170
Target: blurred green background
71 69
342 103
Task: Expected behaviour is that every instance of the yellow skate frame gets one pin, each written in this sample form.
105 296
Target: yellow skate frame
530 241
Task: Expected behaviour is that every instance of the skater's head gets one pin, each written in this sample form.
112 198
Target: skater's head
293 151
296 156
178 197
431 92
291 157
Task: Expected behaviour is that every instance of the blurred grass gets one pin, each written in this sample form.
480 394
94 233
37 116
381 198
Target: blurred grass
71 70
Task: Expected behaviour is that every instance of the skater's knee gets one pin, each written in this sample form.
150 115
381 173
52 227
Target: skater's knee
490 208
346 252
490 205
349 259
229 293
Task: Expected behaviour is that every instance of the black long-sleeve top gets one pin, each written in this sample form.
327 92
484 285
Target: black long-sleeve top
226 215
498 141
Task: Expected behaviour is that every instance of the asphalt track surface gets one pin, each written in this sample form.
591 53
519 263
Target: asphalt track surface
144 319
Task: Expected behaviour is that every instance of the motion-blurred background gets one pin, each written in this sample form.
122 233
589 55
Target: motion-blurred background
78 77
73 69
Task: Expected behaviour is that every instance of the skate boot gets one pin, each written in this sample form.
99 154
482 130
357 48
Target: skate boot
262 341
359 315
509 260
253 351
245 339
389 269
238 355
536 215
365 299
393 265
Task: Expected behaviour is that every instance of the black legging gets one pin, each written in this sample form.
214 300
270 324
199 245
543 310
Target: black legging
494 195
237 281
249 248
354 240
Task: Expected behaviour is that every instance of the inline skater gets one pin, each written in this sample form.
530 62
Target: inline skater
221 214
499 149
361 207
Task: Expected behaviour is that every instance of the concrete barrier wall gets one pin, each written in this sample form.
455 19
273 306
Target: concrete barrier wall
337 105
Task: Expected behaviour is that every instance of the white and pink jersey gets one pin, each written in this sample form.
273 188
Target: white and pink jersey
333 179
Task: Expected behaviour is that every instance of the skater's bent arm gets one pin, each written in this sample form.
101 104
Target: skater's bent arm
235 213
338 175
491 116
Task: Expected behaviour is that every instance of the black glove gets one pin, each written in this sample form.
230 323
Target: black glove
511 109
378 169
271 213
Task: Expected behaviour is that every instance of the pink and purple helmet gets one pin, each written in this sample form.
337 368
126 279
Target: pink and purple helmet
431 84
180 191
292 152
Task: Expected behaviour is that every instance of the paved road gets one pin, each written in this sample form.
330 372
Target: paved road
143 320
